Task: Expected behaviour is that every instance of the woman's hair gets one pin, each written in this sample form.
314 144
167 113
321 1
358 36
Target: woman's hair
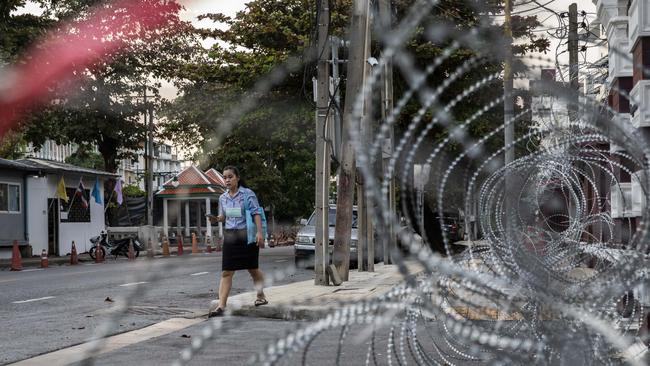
234 169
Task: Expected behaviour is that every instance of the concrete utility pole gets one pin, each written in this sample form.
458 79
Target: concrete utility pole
387 107
345 192
365 243
150 164
322 155
573 60
508 108
148 187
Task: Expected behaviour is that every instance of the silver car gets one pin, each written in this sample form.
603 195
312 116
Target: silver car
304 247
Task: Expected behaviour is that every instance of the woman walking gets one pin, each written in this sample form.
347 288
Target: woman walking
237 252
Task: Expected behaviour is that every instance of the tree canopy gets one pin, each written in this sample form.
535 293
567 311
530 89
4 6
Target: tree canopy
103 104
274 142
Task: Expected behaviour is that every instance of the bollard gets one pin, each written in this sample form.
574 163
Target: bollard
149 248
74 259
44 261
179 245
165 248
99 255
195 245
219 244
131 250
16 258
208 245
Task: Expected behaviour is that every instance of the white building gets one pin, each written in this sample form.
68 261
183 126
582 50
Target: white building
165 165
50 151
36 216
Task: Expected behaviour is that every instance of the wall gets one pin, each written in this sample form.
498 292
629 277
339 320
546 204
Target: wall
82 232
40 189
12 225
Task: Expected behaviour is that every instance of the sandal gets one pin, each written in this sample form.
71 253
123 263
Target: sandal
218 312
260 302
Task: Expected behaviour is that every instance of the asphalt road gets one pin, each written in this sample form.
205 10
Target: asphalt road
45 310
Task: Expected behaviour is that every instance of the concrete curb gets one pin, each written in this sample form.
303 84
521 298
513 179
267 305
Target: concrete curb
307 301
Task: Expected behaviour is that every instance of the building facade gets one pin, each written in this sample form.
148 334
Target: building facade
165 166
33 214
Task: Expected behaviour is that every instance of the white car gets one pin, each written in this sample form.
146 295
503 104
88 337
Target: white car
304 247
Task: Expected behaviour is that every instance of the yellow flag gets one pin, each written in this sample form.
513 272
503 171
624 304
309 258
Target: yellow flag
60 191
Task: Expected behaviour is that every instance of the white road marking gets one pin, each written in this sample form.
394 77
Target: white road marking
32 270
32 300
281 260
133 284
199 273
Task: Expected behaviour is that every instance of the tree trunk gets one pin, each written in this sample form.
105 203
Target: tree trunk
108 148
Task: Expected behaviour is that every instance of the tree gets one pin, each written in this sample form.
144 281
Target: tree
273 143
17 32
86 158
266 34
103 104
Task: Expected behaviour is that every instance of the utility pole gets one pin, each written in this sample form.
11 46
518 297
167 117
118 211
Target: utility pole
508 113
365 242
573 61
387 108
150 165
345 192
322 157
148 149
508 108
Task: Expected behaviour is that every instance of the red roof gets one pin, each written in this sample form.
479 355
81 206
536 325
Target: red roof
191 176
192 181
215 177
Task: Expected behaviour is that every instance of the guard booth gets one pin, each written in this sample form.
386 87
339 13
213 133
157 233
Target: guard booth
187 198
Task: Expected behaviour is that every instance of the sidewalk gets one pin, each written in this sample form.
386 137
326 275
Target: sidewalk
297 301
306 301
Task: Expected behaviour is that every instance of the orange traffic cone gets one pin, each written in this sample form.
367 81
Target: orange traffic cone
44 261
149 248
179 245
131 251
195 245
74 259
16 259
99 255
208 245
165 248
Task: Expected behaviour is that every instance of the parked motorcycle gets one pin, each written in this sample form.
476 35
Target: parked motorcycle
115 247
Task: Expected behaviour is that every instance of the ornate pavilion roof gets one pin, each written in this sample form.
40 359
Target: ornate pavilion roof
192 182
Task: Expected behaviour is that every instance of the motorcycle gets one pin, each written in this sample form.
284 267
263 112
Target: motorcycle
115 247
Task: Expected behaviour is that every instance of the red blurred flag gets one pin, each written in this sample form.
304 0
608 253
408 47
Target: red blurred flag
79 45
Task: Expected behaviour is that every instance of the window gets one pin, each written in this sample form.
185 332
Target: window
75 209
9 198
332 218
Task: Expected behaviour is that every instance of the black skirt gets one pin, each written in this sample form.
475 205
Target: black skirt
237 253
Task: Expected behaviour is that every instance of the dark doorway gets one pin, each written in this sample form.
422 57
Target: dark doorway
52 226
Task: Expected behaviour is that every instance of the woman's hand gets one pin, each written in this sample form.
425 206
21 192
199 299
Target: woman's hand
215 218
259 238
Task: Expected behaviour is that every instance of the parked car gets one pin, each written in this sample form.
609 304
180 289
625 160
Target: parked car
304 247
451 227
